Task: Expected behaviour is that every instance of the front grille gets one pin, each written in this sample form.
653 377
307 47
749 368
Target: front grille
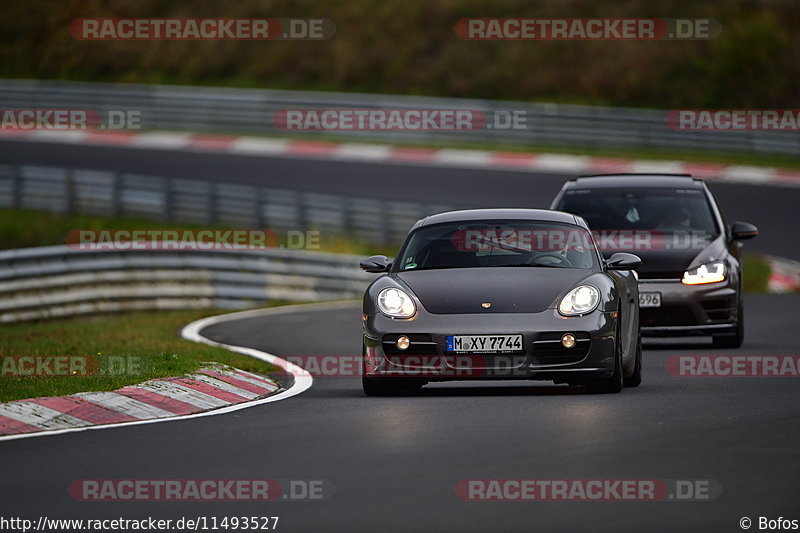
667 315
547 348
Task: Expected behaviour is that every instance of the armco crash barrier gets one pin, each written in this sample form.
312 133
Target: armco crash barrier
59 281
222 109
181 200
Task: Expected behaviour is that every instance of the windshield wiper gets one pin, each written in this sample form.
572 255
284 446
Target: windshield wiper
434 267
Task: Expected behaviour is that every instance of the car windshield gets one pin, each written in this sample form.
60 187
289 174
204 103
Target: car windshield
498 243
665 210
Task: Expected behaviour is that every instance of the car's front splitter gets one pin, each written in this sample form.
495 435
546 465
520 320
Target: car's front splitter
543 357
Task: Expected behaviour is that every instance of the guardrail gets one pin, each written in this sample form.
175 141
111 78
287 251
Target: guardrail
368 220
252 110
59 281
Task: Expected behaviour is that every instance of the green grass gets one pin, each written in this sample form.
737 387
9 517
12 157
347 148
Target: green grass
149 340
22 228
756 273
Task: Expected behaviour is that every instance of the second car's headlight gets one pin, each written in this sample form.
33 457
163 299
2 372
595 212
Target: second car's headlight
706 273
579 301
396 303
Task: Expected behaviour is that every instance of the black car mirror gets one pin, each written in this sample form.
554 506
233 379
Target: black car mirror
623 261
376 263
743 230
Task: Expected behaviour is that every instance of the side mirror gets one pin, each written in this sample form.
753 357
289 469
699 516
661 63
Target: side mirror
376 263
743 230
623 261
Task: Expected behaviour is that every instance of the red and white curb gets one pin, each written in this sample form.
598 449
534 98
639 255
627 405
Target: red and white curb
784 275
376 153
214 390
210 388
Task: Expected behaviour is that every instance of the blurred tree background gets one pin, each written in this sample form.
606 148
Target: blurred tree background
409 47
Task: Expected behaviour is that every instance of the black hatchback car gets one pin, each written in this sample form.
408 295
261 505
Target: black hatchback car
690 281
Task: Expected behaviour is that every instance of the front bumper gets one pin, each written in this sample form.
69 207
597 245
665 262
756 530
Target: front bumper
542 356
689 309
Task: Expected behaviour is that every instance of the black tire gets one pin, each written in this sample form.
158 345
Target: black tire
732 340
635 379
613 383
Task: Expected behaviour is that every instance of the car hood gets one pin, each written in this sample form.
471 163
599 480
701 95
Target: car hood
508 289
671 264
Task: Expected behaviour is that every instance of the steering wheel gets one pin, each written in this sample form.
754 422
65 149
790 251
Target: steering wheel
548 257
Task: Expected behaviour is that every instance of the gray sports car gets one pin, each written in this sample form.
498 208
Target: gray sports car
501 294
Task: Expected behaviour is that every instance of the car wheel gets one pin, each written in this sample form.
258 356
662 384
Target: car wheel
613 383
635 379
732 340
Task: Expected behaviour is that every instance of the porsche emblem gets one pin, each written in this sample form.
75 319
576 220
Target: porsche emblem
486 305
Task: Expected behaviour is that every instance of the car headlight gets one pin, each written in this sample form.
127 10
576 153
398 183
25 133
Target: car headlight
579 301
706 273
396 303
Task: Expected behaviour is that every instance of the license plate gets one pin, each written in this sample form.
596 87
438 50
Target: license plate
484 343
649 299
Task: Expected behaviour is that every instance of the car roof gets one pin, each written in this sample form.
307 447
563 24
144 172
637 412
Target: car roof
545 215
654 180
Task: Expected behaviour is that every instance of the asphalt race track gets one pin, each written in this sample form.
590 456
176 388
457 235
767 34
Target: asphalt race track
395 462
773 209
